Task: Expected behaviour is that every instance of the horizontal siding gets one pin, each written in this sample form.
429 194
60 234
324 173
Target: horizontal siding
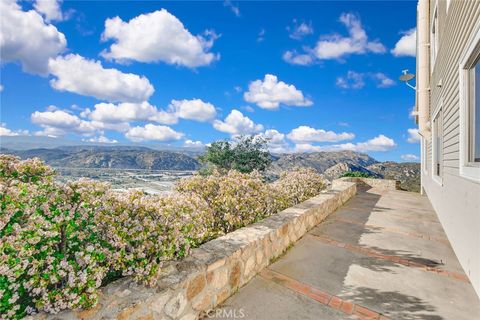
450 152
450 125
452 163
451 128
450 110
455 28
456 200
451 170
452 141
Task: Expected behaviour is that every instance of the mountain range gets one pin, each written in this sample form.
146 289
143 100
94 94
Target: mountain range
331 164
112 157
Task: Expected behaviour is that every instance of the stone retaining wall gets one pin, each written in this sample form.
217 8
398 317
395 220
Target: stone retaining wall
215 270
371 182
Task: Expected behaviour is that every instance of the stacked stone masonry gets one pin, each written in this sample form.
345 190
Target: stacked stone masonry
213 272
371 182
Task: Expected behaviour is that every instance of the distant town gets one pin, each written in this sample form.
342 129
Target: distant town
150 181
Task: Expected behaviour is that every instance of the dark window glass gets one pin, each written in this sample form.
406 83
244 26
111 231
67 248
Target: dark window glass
476 114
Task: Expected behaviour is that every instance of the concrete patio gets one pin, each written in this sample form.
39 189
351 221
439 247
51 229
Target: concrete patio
384 255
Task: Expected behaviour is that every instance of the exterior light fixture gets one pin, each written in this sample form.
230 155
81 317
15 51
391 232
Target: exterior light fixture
405 77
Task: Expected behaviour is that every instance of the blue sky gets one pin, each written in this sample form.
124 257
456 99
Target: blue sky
310 76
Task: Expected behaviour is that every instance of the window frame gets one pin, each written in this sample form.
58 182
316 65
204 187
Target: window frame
434 38
469 170
424 150
437 114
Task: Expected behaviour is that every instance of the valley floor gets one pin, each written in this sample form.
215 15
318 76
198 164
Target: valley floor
150 181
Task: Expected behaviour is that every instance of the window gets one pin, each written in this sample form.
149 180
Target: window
474 113
424 145
470 109
437 145
434 39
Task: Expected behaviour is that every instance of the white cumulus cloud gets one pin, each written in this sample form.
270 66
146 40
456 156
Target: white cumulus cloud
60 122
102 139
26 38
381 143
235 9
50 9
353 80
153 132
413 135
274 136
302 59
299 30
236 124
413 112
407 45
6 132
193 144
125 112
276 141
382 80
308 134
409 157
76 74
118 126
356 80
269 93
194 109
157 36
336 46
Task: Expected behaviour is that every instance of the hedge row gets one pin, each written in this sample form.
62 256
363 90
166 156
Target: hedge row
60 242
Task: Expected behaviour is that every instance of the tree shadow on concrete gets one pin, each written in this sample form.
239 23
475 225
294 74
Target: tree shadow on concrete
359 210
382 264
392 304
406 255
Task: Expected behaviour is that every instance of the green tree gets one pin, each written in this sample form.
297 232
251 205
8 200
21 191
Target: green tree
246 154
357 174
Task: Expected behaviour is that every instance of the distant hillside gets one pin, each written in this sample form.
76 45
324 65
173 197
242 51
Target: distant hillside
408 173
117 157
320 161
336 171
28 142
41 142
333 164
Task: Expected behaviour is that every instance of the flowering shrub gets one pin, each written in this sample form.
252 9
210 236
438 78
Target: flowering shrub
51 255
145 230
297 185
236 199
60 242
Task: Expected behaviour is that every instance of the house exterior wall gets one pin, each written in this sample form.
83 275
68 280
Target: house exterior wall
455 198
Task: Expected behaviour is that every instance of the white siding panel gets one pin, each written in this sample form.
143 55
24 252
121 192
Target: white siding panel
456 200
455 29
